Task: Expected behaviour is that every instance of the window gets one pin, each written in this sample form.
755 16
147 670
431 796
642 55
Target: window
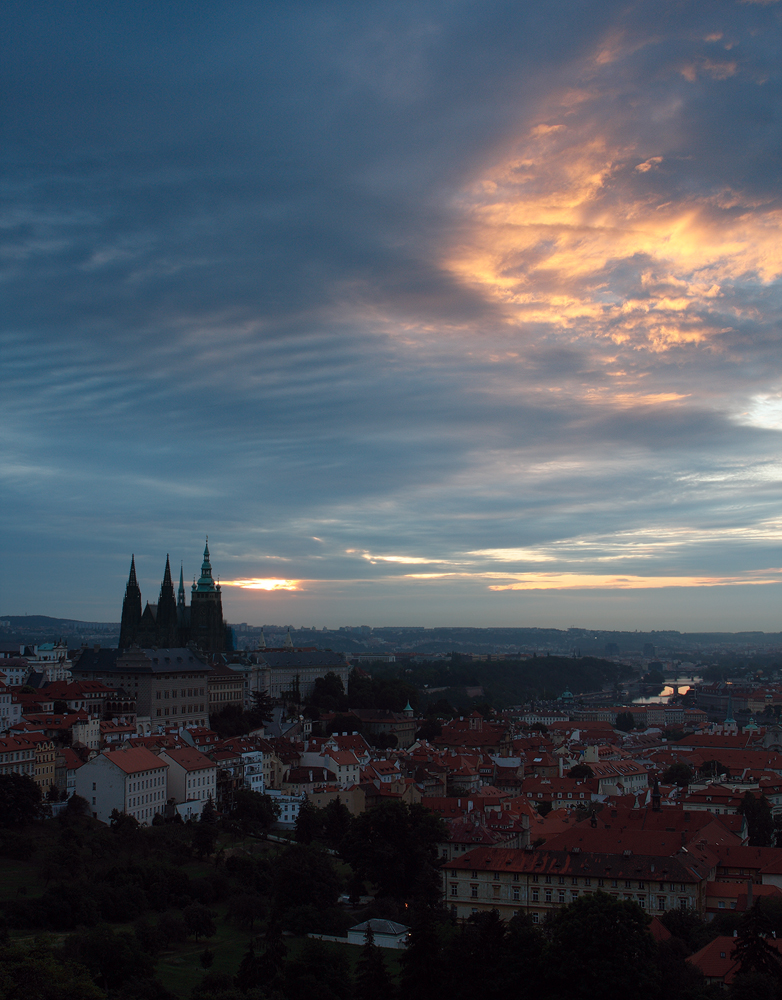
535 918
474 891
641 900
661 902
574 881
562 895
641 885
454 889
515 893
515 876
561 879
614 884
548 880
548 895
721 904
535 895
600 883
628 884
574 893
683 904
587 881
534 878
474 875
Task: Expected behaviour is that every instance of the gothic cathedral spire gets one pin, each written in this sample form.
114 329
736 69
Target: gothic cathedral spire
131 609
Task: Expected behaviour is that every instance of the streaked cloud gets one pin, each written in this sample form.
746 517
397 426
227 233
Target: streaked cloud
486 291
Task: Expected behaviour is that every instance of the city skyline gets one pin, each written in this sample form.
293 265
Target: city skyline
435 313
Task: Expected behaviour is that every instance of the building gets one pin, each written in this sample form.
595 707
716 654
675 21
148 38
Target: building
386 933
17 755
538 881
225 687
192 779
170 622
132 780
10 709
169 686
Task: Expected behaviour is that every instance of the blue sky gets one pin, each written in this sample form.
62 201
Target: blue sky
427 313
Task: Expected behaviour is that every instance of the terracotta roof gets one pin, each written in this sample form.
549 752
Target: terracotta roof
189 758
134 759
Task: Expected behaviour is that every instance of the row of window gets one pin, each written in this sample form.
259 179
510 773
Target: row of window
587 881
183 693
662 901
186 710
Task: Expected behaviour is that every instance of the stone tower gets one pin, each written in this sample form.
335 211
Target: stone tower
207 629
131 609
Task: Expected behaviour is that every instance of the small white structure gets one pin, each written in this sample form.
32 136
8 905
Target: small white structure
387 933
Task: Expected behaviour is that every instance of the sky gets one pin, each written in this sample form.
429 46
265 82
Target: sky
426 313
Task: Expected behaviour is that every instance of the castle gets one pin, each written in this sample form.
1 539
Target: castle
170 623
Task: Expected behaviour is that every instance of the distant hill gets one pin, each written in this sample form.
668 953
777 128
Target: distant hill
23 622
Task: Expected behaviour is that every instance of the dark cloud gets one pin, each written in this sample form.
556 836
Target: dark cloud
420 280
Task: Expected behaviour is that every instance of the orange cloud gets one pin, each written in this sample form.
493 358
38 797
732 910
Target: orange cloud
547 225
256 583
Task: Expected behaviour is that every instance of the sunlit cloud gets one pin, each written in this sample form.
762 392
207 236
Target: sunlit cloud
577 581
263 584
402 560
595 581
579 230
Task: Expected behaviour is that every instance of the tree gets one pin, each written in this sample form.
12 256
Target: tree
600 946
304 875
423 967
372 981
274 954
752 951
20 800
328 694
625 721
582 772
318 973
395 846
262 708
249 975
113 957
680 774
336 823
760 820
712 769
199 920
204 836
257 812
309 823
37 973
430 729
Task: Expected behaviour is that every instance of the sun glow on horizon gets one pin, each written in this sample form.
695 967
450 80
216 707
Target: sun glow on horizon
256 583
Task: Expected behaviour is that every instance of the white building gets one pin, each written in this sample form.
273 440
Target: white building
132 780
10 710
289 805
192 779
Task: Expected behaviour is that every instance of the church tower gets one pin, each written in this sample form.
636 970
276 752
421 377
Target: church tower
206 610
131 609
167 624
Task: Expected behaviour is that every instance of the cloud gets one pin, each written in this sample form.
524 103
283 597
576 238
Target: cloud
470 289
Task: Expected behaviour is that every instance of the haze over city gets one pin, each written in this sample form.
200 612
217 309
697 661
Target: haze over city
426 313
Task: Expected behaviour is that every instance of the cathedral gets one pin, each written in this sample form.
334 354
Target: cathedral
170 623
